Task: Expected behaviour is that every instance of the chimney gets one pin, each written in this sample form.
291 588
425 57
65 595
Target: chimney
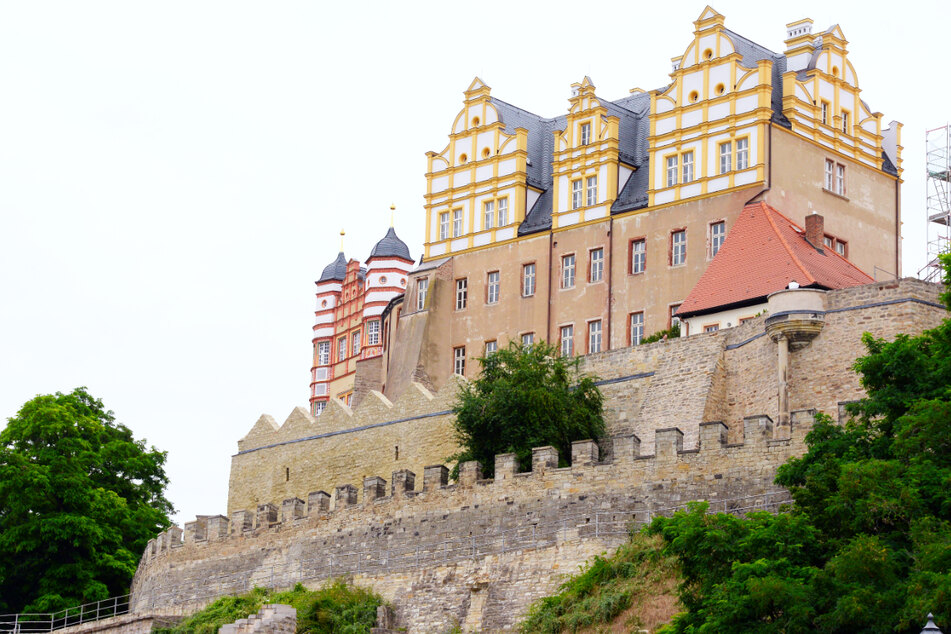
815 230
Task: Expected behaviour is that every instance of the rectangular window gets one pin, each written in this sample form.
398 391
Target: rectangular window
503 211
319 407
596 267
840 179
829 241
842 248
422 286
829 175
726 157
845 121
717 236
594 336
528 280
637 328
567 341
488 208
742 154
444 225
373 332
528 339
673 319
591 192
492 290
459 361
462 293
568 271
585 133
638 256
491 347
576 194
688 167
678 248
824 113
341 348
711 327
671 171
323 353
456 223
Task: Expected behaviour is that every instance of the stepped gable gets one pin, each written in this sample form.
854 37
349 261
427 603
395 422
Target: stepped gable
762 254
390 247
261 433
336 270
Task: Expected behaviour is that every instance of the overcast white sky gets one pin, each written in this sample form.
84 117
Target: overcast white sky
173 175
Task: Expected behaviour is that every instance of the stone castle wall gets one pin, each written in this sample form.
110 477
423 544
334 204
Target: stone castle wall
477 551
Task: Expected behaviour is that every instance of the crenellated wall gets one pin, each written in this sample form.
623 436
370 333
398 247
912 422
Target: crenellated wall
440 550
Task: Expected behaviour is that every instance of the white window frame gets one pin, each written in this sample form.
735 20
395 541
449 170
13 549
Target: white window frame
319 407
444 225
488 214
594 336
687 163
491 347
585 133
845 122
528 339
373 332
840 179
717 236
422 288
742 154
726 157
341 348
568 270
456 223
638 256
824 112
672 169
462 293
591 190
567 340
492 288
323 353
637 327
459 360
596 265
355 341
576 186
528 279
678 247
503 211
829 174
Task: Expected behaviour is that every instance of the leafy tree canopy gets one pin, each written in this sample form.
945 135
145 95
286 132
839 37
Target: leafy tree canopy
79 499
867 547
525 397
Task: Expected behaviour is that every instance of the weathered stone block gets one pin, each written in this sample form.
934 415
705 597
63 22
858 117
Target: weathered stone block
265 516
713 435
583 452
544 458
374 488
435 477
292 509
345 495
401 482
668 443
469 473
626 447
318 502
196 531
506 466
757 429
217 527
241 521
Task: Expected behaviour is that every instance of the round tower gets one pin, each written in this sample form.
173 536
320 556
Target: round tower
329 288
387 268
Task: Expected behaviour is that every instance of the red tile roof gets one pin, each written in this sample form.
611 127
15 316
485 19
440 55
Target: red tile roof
763 253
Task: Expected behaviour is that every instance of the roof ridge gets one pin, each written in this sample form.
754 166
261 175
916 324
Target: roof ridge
802 267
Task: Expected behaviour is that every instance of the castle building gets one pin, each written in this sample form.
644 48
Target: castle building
590 229
347 325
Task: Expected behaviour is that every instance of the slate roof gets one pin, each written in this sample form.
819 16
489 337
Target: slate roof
763 253
390 247
336 270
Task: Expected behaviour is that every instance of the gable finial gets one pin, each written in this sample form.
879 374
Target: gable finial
342 234
392 212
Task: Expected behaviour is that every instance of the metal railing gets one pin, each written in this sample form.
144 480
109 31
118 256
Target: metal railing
330 561
26 623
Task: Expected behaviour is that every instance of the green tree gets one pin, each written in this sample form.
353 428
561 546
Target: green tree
525 397
79 499
867 546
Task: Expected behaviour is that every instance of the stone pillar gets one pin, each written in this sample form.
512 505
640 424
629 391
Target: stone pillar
346 495
506 466
292 509
782 371
544 458
318 502
583 452
437 476
626 447
402 482
374 488
469 473
668 443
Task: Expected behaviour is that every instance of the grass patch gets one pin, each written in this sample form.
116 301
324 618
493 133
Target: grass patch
337 608
634 588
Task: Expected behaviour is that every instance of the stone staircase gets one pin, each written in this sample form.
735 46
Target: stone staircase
272 619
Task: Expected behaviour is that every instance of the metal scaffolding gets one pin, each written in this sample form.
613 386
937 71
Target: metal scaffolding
938 162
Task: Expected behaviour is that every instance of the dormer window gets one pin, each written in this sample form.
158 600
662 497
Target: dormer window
585 133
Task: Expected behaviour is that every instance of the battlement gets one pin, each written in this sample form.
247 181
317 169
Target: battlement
764 444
